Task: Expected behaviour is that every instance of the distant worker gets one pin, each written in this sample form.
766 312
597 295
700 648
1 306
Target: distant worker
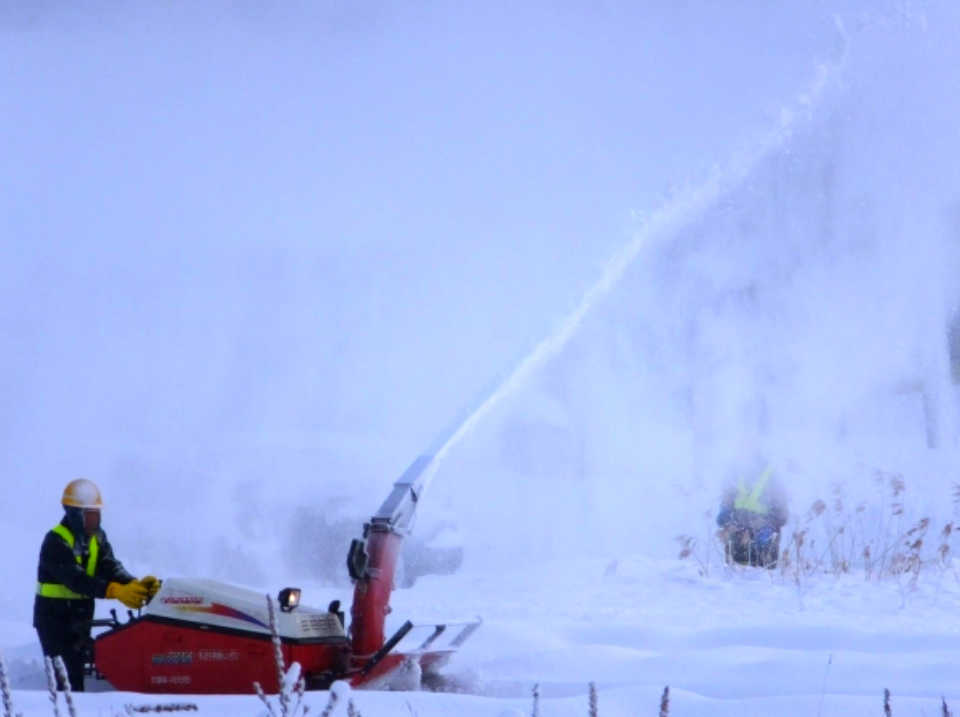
77 565
752 513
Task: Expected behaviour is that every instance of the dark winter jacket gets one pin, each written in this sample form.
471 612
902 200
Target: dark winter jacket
59 565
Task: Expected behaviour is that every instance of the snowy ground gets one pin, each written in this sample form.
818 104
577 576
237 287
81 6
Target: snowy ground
735 642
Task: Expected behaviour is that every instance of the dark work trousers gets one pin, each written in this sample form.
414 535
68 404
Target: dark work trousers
70 642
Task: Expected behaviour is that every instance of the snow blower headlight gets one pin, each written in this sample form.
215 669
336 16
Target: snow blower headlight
288 598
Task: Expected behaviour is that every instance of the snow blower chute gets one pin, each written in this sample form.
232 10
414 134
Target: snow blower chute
205 637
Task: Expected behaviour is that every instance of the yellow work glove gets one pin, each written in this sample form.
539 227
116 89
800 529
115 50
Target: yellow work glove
133 594
152 585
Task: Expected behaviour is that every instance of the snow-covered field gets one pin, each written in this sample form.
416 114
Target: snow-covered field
255 257
737 642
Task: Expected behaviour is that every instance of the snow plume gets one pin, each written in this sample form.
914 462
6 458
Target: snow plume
794 306
662 226
660 229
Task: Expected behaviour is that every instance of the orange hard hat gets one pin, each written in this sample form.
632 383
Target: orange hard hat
81 493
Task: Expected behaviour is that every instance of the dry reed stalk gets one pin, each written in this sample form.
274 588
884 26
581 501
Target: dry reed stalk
283 696
823 687
263 698
5 688
943 552
665 702
592 709
299 690
331 704
65 680
51 684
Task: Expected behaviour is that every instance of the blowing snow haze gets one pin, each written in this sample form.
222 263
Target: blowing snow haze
256 258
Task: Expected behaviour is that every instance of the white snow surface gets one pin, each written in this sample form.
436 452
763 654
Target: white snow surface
256 257
733 642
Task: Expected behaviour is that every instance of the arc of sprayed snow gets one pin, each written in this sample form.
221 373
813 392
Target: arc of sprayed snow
660 226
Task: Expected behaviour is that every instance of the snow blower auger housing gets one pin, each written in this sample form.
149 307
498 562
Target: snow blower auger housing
205 637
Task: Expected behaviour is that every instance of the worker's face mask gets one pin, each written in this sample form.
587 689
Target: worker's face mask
91 520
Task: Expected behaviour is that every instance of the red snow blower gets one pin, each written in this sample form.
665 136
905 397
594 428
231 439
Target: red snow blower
205 637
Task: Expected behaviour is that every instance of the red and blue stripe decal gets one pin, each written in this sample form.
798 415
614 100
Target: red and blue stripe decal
216 608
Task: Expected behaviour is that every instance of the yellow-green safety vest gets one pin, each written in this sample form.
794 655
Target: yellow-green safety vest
749 498
56 590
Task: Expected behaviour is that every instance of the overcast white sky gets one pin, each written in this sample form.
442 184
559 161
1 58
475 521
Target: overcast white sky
254 255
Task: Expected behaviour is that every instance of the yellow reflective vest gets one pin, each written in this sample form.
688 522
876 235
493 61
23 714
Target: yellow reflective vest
56 590
748 498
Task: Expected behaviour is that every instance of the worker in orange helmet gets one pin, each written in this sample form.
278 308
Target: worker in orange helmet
77 565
